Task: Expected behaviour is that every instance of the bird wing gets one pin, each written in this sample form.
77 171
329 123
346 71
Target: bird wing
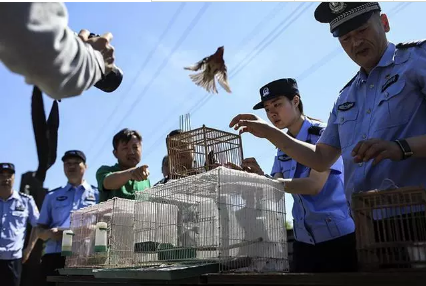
207 83
222 79
199 65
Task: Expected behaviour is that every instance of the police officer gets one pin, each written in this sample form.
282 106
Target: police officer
16 210
377 122
323 228
57 206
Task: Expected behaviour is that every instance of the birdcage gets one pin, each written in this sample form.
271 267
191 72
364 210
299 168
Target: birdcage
196 151
391 228
230 218
118 214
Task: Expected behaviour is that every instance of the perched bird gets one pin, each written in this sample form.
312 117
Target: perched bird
211 66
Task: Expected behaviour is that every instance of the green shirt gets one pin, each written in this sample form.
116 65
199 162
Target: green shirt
127 191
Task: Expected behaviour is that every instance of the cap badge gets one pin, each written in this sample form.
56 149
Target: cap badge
337 7
265 92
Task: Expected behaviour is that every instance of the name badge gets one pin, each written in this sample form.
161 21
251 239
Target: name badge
390 81
346 106
19 208
61 198
284 158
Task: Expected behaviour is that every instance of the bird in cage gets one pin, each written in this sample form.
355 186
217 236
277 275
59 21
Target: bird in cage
212 67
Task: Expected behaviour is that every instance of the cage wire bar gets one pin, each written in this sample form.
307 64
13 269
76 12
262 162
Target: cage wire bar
232 219
391 228
202 149
119 216
228 217
185 122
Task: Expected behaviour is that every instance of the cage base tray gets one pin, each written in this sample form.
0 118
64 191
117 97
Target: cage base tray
170 272
77 271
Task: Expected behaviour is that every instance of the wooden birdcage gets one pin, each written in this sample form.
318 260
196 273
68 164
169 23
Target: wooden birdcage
391 228
202 149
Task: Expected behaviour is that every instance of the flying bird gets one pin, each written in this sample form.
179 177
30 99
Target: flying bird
211 67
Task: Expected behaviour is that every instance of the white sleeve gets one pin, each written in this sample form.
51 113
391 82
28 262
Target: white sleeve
36 42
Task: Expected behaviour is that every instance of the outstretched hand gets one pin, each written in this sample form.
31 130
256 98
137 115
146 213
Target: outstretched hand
376 149
252 124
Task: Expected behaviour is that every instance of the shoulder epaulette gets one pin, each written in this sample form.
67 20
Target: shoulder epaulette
94 187
349 83
316 130
54 190
411 44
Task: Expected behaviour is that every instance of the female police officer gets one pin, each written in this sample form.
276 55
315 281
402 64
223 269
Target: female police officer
323 227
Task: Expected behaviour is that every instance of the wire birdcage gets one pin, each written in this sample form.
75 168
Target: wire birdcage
391 228
196 151
230 218
118 214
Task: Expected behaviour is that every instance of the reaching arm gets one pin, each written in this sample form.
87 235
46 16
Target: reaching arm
108 180
116 180
45 233
319 157
36 42
311 185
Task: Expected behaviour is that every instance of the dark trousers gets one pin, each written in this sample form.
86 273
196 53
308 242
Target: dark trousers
337 255
10 272
49 265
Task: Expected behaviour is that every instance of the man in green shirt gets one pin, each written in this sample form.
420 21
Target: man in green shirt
124 178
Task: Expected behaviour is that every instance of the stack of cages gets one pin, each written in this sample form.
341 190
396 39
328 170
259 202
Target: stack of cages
391 228
211 214
89 250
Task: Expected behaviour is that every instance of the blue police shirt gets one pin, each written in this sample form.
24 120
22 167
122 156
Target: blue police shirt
58 205
324 216
15 213
389 104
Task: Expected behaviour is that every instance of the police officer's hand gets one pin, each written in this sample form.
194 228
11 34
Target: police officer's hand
101 44
250 165
55 234
140 173
376 149
252 124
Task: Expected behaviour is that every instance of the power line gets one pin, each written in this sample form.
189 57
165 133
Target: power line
137 75
271 15
272 36
327 58
160 68
204 99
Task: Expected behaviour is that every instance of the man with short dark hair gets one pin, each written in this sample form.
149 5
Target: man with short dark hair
124 179
55 214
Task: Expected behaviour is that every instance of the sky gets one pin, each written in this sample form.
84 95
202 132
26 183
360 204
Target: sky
263 41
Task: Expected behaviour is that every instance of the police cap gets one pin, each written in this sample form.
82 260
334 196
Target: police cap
280 87
344 17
